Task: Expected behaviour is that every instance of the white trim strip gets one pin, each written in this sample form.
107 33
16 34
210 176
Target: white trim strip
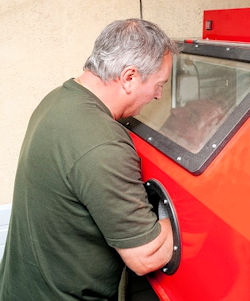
5 211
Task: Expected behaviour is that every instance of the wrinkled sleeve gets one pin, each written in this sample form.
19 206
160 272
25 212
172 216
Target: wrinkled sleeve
107 180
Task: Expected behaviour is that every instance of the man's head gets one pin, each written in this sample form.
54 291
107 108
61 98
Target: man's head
132 42
129 65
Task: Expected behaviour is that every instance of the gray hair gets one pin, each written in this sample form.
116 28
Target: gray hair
131 42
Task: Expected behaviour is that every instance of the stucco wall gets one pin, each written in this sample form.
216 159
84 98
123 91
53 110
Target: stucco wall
183 18
44 42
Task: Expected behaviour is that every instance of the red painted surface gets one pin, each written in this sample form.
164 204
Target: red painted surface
212 208
189 41
227 24
213 213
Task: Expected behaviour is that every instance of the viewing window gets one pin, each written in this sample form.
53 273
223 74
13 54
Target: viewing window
201 94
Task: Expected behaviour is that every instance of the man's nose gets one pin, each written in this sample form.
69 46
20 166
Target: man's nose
158 96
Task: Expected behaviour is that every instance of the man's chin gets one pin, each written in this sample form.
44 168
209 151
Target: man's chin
134 114
137 112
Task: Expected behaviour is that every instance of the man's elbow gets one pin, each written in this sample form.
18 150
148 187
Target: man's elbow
149 265
144 271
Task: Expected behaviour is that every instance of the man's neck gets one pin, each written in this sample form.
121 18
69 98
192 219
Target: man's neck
108 92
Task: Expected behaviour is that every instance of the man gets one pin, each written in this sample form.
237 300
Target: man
79 203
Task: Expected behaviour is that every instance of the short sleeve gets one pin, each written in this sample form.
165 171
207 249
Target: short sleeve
107 180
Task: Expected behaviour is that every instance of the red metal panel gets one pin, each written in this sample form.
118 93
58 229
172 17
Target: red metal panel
212 208
227 24
213 212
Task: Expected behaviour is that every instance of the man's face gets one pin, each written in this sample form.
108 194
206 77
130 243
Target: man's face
151 88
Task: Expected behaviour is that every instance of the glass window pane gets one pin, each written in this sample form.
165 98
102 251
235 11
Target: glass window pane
204 92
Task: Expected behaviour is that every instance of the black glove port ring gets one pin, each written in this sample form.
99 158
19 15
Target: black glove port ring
157 193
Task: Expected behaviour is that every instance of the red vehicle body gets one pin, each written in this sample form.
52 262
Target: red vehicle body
213 204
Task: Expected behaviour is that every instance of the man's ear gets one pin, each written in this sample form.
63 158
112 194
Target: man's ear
128 78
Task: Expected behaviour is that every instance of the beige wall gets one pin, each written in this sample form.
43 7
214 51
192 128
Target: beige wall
44 42
183 18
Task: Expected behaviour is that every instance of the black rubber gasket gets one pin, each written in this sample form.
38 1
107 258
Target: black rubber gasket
157 193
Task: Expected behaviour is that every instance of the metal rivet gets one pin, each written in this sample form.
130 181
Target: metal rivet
165 270
148 184
227 49
127 123
196 46
165 201
175 248
149 138
214 145
179 158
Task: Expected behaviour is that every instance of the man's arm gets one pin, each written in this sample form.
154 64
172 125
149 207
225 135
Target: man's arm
153 255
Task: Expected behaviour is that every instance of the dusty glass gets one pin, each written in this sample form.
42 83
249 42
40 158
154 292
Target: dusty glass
200 95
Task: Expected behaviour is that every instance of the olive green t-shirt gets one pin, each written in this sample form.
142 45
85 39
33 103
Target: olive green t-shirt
78 194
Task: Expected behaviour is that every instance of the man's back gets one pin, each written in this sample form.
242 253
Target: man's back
56 234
